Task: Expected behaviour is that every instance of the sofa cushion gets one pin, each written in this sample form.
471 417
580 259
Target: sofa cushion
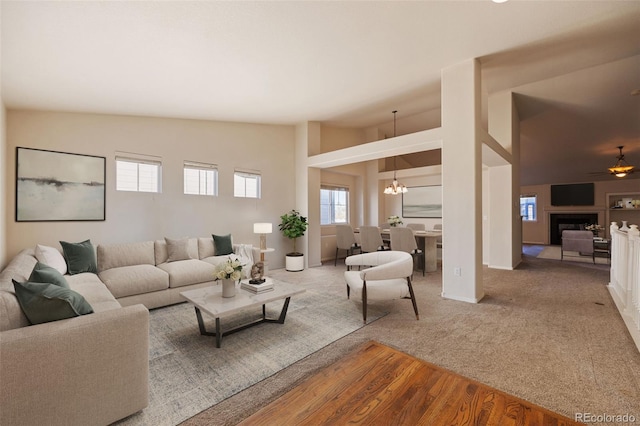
11 314
43 302
177 249
19 268
80 257
128 254
162 255
134 279
45 274
223 244
187 272
52 257
94 291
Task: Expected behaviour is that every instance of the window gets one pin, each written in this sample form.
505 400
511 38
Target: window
137 175
246 184
334 205
528 209
200 178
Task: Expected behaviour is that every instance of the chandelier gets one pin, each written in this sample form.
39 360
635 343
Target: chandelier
621 168
395 188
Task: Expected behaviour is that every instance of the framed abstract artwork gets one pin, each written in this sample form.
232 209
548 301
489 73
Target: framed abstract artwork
59 186
422 201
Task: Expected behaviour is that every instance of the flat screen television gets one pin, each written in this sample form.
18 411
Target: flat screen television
577 194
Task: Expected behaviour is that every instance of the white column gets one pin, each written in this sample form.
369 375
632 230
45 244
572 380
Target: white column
462 183
504 227
308 182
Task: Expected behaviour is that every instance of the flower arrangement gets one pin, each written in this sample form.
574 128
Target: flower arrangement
231 269
394 221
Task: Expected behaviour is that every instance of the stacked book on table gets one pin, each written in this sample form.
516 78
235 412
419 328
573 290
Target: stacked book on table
267 285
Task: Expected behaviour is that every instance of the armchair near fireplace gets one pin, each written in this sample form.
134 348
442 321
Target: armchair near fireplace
577 241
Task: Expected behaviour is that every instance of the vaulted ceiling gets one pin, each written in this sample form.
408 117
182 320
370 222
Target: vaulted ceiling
572 65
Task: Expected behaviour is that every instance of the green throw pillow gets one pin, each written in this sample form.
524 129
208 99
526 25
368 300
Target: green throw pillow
46 274
80 257
223 244
43 302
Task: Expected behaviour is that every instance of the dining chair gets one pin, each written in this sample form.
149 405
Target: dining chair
389 278
371 240
416 226
345 240
404 239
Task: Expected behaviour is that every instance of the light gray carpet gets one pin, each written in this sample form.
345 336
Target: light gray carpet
547 332
189 374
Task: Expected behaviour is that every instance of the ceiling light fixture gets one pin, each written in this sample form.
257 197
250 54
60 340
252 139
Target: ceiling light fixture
621 168
395 188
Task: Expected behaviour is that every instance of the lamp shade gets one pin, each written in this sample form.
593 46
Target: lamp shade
262 228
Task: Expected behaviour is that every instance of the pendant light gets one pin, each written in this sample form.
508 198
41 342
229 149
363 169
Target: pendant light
621 168
395 188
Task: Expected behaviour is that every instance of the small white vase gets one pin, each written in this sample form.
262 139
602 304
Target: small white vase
228 288
624 226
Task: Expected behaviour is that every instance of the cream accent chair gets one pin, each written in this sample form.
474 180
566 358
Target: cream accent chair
371 239
404 239
577 241
416 226
345 240
389 278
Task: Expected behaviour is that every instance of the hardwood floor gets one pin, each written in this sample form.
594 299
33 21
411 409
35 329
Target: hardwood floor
378 385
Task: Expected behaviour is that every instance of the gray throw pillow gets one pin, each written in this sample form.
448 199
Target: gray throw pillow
80 257
43 302
177 249
46 274
222 244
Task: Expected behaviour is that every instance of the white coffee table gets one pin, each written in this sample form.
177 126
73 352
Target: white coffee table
210 301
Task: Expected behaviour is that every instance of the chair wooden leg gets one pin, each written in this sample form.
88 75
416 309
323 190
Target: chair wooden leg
348 291
413 298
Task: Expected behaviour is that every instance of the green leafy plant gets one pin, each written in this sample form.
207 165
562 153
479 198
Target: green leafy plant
293 226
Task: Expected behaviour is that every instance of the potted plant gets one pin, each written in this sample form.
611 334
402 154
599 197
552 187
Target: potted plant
293 225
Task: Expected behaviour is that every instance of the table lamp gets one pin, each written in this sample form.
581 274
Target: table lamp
263 229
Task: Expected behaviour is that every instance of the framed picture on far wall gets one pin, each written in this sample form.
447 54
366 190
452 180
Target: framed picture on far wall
422 201
59 186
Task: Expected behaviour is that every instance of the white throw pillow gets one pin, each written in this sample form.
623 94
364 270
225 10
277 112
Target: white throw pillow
50 256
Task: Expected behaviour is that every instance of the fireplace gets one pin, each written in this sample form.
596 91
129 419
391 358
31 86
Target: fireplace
558 222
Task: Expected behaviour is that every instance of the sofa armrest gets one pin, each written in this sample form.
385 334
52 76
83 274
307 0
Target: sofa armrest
92 369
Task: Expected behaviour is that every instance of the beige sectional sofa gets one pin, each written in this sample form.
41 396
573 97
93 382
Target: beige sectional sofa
93 369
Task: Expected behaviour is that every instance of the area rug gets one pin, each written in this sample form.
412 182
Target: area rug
189 374
553 252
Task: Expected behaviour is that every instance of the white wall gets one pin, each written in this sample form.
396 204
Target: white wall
393 203
4 183
142 216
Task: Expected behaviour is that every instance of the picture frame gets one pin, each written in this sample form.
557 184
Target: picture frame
422 202
54 186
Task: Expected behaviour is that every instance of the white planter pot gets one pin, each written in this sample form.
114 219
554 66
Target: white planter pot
295 263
